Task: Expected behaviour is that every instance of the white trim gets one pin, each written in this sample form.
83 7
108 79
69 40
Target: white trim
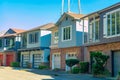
53 61
70 33
110 13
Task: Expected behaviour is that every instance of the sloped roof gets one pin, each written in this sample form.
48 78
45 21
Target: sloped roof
2 32
70 14
74 15
42 27
103 10
17 30
8 35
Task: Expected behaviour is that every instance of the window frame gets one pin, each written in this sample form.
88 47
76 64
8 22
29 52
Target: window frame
106 26
92 32
70 33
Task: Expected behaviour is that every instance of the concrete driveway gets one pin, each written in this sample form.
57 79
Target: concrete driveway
8 73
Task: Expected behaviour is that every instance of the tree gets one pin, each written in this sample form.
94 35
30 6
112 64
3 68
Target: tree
71 63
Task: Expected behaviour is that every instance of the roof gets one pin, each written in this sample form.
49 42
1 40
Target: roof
102 10
42 27
17 30
70 14
8 35
2 33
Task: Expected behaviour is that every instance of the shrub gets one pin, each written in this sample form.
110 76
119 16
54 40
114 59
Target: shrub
43 67
15 64
75 70
84 67
71 62
100 60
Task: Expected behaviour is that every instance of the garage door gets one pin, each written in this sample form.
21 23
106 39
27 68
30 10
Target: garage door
37 59
116 62
9 59
70 56
25 59
56 61
1 59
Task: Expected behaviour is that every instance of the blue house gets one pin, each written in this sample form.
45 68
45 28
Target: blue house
9 45
35 46
66 40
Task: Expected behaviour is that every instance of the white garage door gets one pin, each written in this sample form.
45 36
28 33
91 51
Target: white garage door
37 59
116 62
25 59
70 56
56 61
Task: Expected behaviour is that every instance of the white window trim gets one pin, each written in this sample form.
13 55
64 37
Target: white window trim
110 36
55 42
94 40
70 33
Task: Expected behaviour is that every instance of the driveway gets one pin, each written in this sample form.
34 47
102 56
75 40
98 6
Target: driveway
8 73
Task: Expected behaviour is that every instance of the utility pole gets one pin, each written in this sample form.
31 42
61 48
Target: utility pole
79 7
62 7
68 5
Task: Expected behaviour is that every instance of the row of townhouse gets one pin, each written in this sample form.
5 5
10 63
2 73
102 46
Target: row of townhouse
104 35
72 36
9 45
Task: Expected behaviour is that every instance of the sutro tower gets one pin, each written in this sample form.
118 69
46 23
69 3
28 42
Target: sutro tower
68 6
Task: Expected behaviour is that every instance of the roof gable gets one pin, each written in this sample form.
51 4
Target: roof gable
70 14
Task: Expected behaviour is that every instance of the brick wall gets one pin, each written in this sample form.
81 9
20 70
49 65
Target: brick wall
106 49
63 52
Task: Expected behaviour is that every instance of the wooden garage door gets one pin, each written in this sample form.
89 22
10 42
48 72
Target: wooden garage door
116 62
25 59
56 60
1 59
37 59
9 59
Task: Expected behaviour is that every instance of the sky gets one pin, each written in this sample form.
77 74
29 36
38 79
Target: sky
27 14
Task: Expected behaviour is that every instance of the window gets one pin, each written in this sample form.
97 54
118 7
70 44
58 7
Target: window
94 30
67 33
56 37
113 23
33 37
0 43
36 37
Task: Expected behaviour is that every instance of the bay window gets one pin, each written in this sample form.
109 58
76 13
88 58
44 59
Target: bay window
113 23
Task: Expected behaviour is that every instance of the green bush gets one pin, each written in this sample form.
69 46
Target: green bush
15 64
43 67
99 62
71 62
75 70
119 73
84 67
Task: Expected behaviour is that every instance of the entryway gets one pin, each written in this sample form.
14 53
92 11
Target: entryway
56 61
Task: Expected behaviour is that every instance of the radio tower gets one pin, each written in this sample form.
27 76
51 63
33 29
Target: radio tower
68 7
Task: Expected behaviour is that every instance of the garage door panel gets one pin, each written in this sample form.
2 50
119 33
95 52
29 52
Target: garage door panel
116 62
37 59
9 59
26 59
1 58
